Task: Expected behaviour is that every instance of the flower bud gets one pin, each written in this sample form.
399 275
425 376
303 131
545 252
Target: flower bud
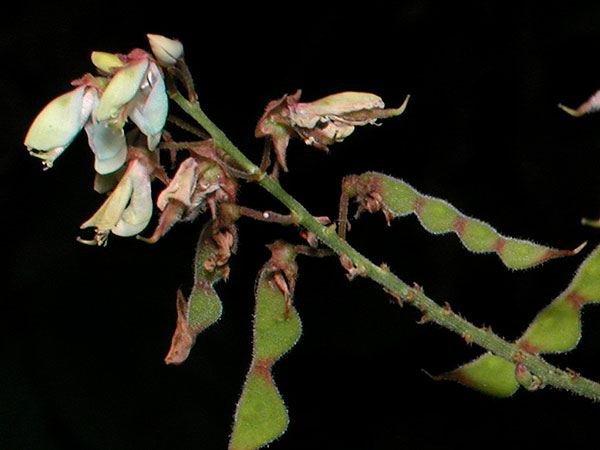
106 62
166 51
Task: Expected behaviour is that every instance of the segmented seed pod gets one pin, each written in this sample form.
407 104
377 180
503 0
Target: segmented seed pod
203 307
375 191
261 415
556 328
488 373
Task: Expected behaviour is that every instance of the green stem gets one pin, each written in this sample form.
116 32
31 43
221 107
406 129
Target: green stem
549 374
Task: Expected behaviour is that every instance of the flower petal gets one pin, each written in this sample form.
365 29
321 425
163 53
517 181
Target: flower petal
108 144
110 212
128 209
307 115
121 89
106 62
150 107
182 186
139 211
57 125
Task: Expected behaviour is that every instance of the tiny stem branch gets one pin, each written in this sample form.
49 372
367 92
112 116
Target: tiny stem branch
441 315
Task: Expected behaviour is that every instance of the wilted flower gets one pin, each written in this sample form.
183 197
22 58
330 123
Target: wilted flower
199 184
322 122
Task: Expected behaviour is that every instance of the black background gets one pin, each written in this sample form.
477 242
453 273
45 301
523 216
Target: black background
84 330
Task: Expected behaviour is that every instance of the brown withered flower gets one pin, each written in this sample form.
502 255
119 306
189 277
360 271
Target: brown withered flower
322 122
199 184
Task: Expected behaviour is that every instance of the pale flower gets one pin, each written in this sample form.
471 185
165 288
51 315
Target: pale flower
128 208
166 51
136 91
57 125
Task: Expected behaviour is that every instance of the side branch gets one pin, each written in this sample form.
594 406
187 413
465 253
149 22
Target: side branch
441 315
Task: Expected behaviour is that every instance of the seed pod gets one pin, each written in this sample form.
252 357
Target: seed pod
261 415
375 191
488 373
556 328
203 307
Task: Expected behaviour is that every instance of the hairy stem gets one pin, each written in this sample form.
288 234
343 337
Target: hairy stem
442 315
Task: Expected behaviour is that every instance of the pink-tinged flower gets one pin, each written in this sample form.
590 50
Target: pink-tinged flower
322 122
127 210
199 184
166 51
57 125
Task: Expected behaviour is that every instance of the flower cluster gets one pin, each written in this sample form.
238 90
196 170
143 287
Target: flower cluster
128 88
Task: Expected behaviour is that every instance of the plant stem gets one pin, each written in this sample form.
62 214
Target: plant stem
484 337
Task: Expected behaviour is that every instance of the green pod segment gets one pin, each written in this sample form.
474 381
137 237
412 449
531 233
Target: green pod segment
557 327
261 415
203 307
489 374
396 198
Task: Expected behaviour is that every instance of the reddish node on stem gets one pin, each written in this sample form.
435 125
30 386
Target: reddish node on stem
528 347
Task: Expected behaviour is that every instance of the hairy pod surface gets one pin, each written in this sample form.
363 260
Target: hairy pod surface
261 415
555 329
375 191
203 307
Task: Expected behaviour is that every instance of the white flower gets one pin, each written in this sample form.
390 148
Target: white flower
128 208
137 90
57 125
149 108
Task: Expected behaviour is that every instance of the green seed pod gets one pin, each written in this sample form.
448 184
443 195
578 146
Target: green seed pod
203 307
394 197
488 373
557 327
261 415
